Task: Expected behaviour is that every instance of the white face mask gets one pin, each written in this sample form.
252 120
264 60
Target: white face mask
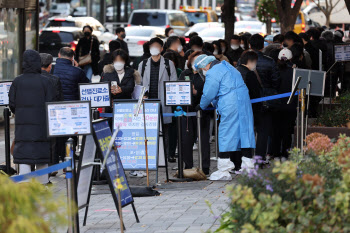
172 34
242 46
154 51
204 72
234 46
194 68
179 48
118 65
223 49
215 52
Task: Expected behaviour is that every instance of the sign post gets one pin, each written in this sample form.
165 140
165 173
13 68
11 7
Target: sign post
4 101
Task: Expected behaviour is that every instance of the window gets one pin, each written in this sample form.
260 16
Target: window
177 19
298 21
62 23
9 43
139 32
148 19
197 17
314 10
214 17
30 28
56 37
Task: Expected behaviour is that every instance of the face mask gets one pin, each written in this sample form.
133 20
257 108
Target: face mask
242 46
223 49
123 36
234 46
172 34
179 48
154 51
87 34
215 52
194 68
204 72
118 65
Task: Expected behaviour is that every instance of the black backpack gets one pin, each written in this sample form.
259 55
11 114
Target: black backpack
167 67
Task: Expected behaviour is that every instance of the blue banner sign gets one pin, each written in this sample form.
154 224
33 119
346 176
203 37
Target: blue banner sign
103 136
131 137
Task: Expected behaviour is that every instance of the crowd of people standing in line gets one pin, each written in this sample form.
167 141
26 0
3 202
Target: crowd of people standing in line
251 65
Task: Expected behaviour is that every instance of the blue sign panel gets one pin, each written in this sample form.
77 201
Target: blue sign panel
131 136
103 136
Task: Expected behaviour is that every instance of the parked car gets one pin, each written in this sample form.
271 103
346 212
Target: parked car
252 27
160 18
61 9
198 27
200 15
102 34
52 39
79 11
211 34
136 36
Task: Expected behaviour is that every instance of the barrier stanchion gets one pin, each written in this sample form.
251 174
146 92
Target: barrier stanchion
216 136
199 132
7 140
302 95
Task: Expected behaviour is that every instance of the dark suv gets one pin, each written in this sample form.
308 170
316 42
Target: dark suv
52 39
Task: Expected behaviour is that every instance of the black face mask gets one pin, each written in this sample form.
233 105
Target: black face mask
87 34
123 36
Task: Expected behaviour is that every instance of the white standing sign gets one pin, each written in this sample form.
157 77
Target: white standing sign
97 93
178 93
68 118
342 52
4 93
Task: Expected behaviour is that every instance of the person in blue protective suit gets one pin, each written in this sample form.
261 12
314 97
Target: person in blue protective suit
225 89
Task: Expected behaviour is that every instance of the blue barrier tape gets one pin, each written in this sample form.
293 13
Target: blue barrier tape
41 172
69 175
253 101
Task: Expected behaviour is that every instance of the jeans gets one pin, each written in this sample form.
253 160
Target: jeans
88 71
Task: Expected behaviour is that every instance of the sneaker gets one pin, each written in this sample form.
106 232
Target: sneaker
195 146
137 174
232 171
172 160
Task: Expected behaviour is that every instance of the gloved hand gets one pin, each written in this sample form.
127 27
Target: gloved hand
198 107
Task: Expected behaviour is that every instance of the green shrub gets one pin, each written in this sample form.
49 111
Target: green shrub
308 193
30 207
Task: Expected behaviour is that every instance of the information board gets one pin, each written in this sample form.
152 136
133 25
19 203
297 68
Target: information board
342 52
4 93
98 93
178 93
317 78
85 169
69 118
103 135
131 137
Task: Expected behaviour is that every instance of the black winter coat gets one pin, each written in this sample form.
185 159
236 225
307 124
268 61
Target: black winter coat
70 76
56 83
27 97
180 60
128 82
268 71
314 55
83 48
123 45
234 55
107 59
198 83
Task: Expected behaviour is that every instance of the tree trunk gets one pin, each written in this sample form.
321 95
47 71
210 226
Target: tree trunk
287 14
328 19
228 17
268 26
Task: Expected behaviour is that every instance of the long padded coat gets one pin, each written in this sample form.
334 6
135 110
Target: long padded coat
27 97
226 90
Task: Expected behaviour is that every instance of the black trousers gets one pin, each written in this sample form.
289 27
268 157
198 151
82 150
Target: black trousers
236 156
189 132
264 127
172 134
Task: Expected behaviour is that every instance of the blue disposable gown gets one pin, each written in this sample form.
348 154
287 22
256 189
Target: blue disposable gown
226 90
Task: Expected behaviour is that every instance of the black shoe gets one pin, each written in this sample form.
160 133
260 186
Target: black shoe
171 160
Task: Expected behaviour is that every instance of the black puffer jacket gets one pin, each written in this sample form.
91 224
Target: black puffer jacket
198 83
83 48
27 97
127 84
268 71
56 83
70 78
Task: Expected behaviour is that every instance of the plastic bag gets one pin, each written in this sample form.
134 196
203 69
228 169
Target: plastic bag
224 166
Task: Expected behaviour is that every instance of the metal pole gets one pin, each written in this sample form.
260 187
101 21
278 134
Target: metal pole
298 116
307 107
199 132
7 140
146 148
302 120
119 187
72 226
216 135
179 133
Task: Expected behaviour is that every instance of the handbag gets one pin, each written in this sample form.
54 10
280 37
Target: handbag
267 91
86 59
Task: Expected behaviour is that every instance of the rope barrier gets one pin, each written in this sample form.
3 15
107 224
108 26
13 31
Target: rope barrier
43 171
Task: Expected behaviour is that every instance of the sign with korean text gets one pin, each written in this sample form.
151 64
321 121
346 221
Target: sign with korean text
4 93
131 137
342 52
103 135
178 93
98 93
69 118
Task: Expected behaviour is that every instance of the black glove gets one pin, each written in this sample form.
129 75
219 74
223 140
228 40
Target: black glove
198 107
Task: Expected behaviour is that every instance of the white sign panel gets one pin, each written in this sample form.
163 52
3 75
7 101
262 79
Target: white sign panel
68 118
342 52
4 92
97 93
178 93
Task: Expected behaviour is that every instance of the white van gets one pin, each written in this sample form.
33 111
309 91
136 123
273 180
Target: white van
161 18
